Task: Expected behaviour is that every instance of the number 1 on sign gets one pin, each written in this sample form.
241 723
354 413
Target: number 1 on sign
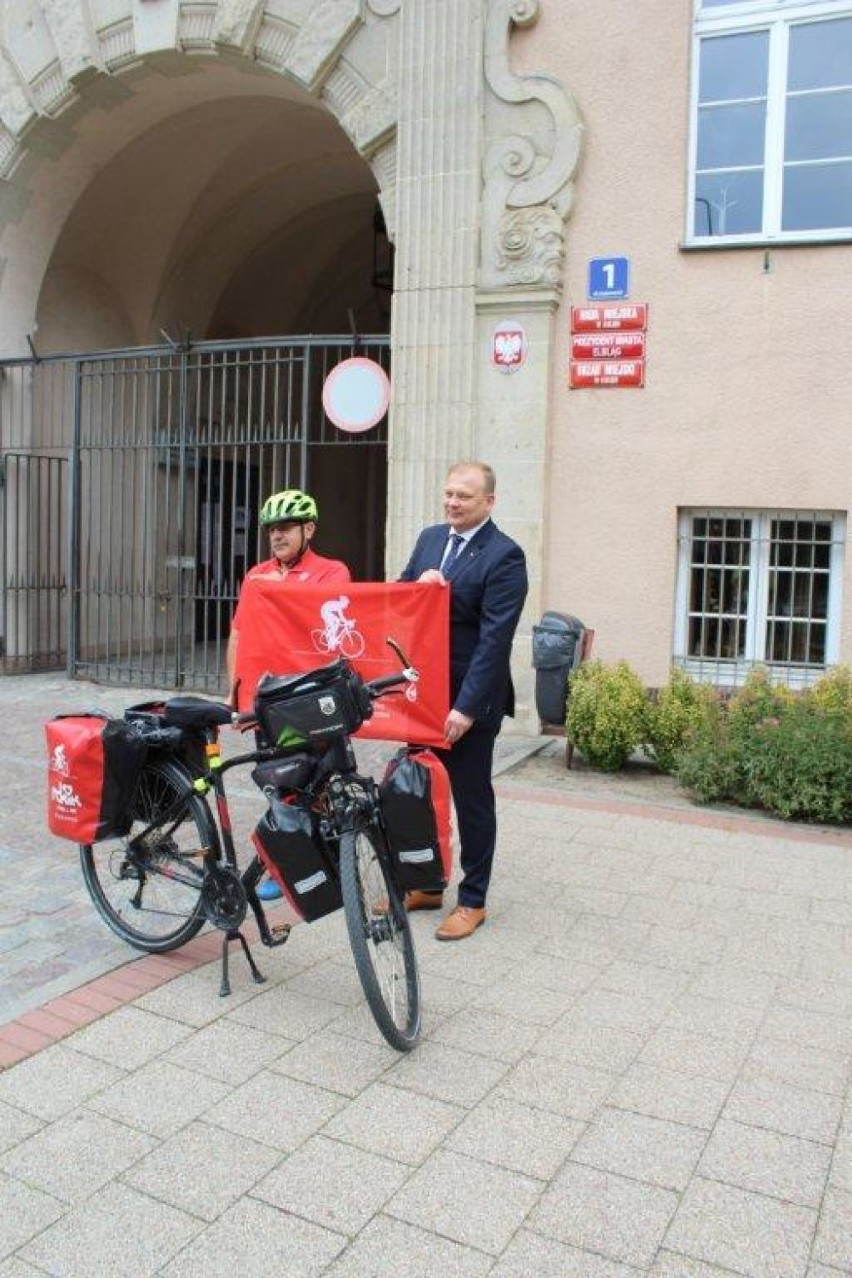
609 277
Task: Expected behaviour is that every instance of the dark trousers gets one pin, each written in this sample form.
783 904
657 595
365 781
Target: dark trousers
469 766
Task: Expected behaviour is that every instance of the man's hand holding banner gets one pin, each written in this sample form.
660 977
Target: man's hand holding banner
287 631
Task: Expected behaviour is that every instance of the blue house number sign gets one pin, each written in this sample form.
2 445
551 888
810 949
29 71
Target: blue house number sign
609 277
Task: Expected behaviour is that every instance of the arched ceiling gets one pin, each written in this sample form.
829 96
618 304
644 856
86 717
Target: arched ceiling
219 202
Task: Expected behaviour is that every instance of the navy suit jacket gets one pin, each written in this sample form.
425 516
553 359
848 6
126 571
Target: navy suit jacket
488 589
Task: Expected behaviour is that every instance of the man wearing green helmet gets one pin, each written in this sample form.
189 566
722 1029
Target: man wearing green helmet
291 519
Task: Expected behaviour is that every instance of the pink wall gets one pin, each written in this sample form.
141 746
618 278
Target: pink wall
748 387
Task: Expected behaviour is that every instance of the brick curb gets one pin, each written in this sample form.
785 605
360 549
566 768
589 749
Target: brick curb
761 827
41 1027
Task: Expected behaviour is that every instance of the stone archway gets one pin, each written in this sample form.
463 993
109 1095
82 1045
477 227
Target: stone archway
72 96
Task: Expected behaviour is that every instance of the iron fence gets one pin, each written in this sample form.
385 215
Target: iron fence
131 485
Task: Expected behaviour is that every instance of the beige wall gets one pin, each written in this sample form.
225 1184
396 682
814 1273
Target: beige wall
748 390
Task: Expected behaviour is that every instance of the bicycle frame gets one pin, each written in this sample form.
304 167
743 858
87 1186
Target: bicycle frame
330 850
334 778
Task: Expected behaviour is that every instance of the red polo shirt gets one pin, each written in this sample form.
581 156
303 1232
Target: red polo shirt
312 570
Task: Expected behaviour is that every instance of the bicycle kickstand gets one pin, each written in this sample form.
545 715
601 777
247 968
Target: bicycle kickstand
256 974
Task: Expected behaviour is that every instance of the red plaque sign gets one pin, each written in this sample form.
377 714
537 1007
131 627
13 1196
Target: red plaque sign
615 345
603 372
621 316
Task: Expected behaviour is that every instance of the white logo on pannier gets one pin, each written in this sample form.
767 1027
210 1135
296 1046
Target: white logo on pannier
65 795
59 760
327 705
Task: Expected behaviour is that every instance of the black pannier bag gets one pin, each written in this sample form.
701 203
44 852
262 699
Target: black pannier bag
416 804
93 769
276 777
288 844
313 707
191 748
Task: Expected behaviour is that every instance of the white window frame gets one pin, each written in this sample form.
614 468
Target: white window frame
776 17
733 672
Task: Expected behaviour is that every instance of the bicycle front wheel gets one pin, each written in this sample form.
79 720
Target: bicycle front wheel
150 895
380 936
351 644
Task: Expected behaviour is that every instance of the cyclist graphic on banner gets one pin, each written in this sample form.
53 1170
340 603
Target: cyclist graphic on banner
339 633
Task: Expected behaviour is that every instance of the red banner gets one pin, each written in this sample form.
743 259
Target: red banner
286 631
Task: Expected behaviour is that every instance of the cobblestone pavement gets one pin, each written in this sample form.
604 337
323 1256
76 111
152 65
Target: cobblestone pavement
639 1066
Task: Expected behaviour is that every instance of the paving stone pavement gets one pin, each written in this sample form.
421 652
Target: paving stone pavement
639 1066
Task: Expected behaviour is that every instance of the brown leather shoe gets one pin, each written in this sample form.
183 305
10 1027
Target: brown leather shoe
413 900
417 900
463 921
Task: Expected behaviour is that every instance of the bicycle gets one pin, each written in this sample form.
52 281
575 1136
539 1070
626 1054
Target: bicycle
176 868
347 640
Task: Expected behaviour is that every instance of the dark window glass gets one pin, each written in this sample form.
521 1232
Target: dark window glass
819 126
732 136
733 67
820 55
728 203
817 197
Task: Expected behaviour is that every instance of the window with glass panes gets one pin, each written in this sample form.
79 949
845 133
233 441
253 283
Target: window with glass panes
758 587
772 120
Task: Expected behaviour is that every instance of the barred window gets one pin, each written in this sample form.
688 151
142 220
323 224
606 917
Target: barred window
758 587
771 121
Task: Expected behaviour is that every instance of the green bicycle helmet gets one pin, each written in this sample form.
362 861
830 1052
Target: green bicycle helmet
291 504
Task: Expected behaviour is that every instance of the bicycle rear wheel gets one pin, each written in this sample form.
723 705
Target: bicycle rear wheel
150 895
380 936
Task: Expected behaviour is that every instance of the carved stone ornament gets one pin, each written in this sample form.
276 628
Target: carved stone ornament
68 29
528 191
323 34
373 118
238 21
529 247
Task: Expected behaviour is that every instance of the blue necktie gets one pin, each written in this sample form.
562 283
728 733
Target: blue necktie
456 544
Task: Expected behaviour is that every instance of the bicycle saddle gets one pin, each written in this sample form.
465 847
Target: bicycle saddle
195 712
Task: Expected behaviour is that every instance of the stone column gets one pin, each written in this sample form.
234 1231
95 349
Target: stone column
440 87
512 434
527 195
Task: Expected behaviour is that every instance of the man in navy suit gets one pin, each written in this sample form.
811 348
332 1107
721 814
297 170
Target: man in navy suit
487 578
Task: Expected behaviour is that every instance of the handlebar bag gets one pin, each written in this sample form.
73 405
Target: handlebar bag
287 842
313 707
93 767
415 794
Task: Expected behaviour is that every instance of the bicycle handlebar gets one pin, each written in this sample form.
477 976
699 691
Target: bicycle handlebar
375 687
378 687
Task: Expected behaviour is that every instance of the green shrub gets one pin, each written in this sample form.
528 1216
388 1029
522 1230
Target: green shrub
678 712
756 701
800 764
706 763
768 748
607 713
833 692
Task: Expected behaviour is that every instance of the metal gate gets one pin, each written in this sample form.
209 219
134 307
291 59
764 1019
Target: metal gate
123 552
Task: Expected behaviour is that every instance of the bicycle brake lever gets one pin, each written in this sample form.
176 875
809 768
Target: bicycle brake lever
392 643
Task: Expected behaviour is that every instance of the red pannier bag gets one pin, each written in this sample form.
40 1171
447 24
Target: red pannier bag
93 765
416 804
